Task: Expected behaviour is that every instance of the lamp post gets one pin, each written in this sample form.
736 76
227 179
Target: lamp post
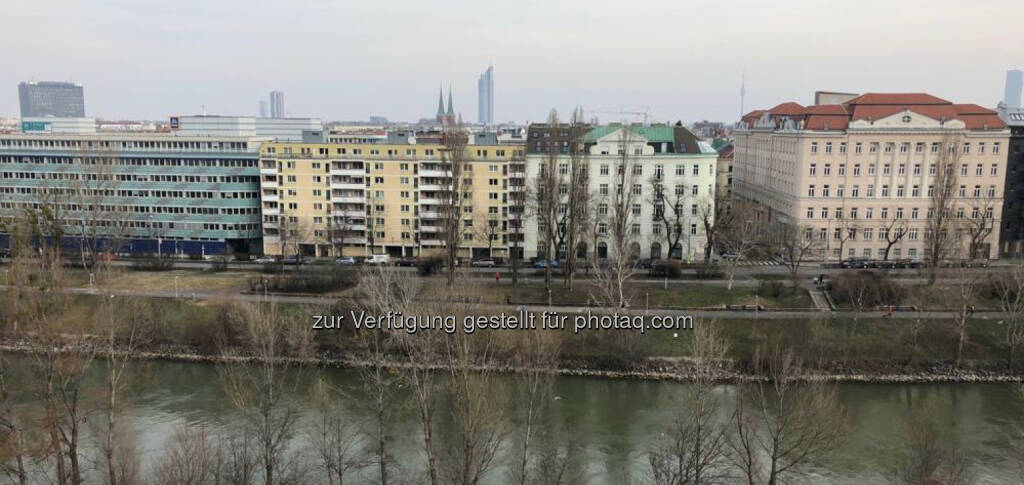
175 287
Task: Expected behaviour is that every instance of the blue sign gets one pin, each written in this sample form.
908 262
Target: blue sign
174 123
27 126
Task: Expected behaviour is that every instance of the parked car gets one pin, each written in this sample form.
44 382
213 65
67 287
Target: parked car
406 261
264 260
292 260
346 261
384 259
483 263
854 263
541 264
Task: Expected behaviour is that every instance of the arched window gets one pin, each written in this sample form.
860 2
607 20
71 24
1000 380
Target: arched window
655 250
581 250
602 250
634 250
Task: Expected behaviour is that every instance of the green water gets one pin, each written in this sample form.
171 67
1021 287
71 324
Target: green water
614 421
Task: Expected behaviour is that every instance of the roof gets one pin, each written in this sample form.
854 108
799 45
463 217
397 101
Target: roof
726 151
896 98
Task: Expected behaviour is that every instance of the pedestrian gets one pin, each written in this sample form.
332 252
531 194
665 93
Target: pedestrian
497 277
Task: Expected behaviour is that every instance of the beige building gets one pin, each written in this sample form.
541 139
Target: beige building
331 200
858 176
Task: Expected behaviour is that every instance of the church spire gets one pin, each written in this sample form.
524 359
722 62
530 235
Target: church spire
451 111
440 102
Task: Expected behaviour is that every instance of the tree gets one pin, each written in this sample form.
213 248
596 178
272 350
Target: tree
669 208
333 438
453 159
1009 288
191 457
782 425
892 233
693 449
547 200
791 244
716 215
536 355
100 221
940 236
338 229
740 233
262 383
611 277
963 299
928 454
980 225
845 231
577 207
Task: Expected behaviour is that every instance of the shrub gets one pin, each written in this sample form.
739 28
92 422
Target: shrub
669 269
709 271
429 266
304 281
220 263
770 289
154 264
867 288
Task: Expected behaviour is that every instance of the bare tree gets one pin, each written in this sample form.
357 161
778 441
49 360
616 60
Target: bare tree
547 201
1009 288
333 437
980 225
262 384
693 449
845 230
783 425
577 211
716 215
740 233
100 221
453 159
927 454
611 277
536 357
791 245
963 298
670 212
940 235
191 457
892 233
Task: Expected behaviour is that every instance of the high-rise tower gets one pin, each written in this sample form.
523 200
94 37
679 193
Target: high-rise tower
485 97
277 104
1014 80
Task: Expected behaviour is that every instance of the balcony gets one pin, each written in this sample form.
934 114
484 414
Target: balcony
349 199
348 185
347 170
435 173
431 187
269 184
429 201
349 212
430 229
429 214
271 196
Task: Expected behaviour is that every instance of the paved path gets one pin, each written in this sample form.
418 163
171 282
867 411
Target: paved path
696 314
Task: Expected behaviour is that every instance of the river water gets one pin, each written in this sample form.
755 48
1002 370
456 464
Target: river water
616 421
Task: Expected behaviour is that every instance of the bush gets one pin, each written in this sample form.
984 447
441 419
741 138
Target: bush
304 281
869 287
220 263
709 271
154 264
669 269
429 266
770 289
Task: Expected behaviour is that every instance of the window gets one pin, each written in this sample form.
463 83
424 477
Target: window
917 169
638 169
967 148
935 148
680 170
912 234
828 169
981 147
870 213
871 190
813 169
904 147
899 191
839 212
604 169
856 170
977 191
810 191
915 191
824 191
995 148
659 171
991 190
857 148
867 234
603 189
814 147
903 169
889 146
963 191
873 147
885 212
855 191
842 169
980 170
840 191
635 229
828 147
899 213
810 212
919 148
885 191
824 212
636 209
696 189
853 213
602 209
931 169
696 169
995 169
842 147
871 169
885 169
963 169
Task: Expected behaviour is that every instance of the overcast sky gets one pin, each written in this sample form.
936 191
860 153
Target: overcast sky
348 60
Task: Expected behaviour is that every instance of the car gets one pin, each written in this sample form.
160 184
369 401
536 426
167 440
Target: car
292 260
541 264
264 260
483 263
853 263
379 259
346 261
406 261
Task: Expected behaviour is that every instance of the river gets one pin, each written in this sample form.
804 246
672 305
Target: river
614 421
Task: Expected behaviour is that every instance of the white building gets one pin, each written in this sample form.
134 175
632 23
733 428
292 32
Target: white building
284 129
669 156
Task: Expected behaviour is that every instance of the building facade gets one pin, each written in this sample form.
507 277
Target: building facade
1011 236
856 175
277 104
669 157
358 199
48 98
723 179
137 193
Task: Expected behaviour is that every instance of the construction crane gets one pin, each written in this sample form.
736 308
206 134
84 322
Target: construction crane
645 113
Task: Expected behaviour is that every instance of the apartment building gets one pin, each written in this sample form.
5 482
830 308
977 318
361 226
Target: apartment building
357 199
1011 235
147 192
858 175
669 157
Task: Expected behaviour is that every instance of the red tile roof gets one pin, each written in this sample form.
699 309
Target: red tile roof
895 98
786 109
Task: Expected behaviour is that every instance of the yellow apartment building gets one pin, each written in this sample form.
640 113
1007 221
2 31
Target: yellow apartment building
333 200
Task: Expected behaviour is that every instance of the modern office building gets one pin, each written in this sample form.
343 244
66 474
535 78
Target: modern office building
49 98
246 126
670 157
356 199
165 193
1011 236
858 176
485 97
1014 83
277 104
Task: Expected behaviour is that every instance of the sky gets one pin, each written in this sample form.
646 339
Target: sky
347 60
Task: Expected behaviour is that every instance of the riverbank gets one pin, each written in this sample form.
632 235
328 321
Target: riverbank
647 368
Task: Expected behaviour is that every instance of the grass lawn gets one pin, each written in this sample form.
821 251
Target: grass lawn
187 279
642 294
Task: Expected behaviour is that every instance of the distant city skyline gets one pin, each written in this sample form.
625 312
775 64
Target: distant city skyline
277 109
485 97
683 60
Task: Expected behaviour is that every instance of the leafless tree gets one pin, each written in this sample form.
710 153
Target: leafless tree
536 357
845 230
454 160
791 245
577 203
940 235
927 454
333 438
717 217
741 233
693 449
611 276
964 297
262 384
338 229
293 231
670 212
892 233
191 457
783 425
1009 288
547 201
15 451
99 219
980 225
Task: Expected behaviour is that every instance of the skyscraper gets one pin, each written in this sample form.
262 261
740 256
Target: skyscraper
48 98
277 104
485 97
1011 97
263 108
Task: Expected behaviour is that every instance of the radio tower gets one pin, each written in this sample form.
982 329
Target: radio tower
743 91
